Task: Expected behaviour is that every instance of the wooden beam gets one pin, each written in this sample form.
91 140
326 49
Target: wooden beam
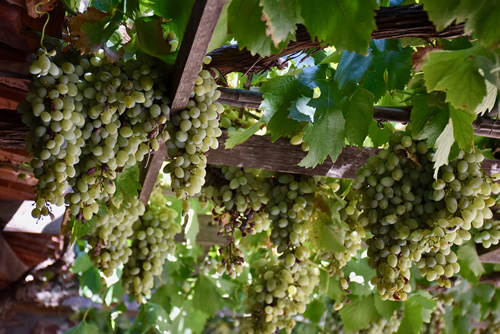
259 152
201 25
485 127
491 256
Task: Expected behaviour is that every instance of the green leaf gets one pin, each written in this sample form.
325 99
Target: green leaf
279 93
281 18
243 14
82 263
457 74
127 182
151 316
314 310
489 100
301 111
386 308
443 147
358 114
359 313
441 12
379 136
239 137
352 67
149 36
325 235
83 328
421 113
206 297
80 229
435 127
220 34
345 24
90 283
416 309
471 267
176 12
463 131
412 319
360 267
114 293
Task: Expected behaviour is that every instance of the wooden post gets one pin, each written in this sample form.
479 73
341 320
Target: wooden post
188 64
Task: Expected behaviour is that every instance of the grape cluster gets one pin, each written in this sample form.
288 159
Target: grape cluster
488 234
192 133
89 117
416 219
290 206
298 139
278 292
109 239
348 213
152 242
233 120
385 326
240 197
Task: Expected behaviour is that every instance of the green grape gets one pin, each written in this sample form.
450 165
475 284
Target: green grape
152 242
415 220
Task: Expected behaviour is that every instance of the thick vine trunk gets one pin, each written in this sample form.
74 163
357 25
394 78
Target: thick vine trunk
392 22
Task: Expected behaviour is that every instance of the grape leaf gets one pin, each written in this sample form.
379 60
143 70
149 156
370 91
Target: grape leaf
90 283
206 297
325 235
480 17
443 148
471 267
239 137
386 308
151 316
314 310
83 328
435 127
281 18
462 128
114 293
243 14
82 263
220 32
352 67
379 136
176 12
127 182
149 36
358 115
301 111
345 24
457 74
489 100
331 143
416 308
87 28
279 93
359 313
421 113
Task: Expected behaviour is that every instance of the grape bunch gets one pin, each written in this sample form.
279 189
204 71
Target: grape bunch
192 133
233 120
290 206
298 139
152 242
278 293
488 234
88 117
240 197
414 218
354 232
109 239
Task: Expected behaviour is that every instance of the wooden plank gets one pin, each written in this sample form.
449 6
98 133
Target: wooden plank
194 46
200 28
260 152
491 257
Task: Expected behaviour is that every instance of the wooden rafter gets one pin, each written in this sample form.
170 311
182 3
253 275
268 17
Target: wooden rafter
188 64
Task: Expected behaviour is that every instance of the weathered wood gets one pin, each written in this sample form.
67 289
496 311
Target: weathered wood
491 256
392 22
259 152
485 127
201 25
194 46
